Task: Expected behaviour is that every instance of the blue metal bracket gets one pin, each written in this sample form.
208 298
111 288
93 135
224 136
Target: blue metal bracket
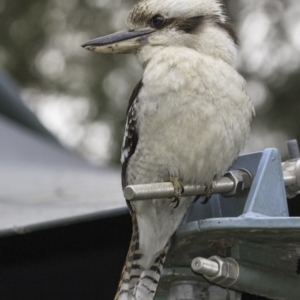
253 227
267 195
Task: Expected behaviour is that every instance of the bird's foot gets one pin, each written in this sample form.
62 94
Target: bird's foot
208 192
178 189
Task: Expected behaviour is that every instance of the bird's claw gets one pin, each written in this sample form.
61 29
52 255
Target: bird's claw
176 201
178 190
208 192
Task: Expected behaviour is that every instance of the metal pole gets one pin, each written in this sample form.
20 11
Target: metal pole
166 189
232 183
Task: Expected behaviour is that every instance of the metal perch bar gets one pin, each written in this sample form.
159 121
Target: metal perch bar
232 183
166 190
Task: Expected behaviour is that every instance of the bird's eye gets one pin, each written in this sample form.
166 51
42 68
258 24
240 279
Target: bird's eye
157 21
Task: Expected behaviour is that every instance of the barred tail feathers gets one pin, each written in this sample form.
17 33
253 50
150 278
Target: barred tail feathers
131 270
146 286
137 283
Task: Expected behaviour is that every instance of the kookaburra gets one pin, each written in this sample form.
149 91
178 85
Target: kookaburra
187 120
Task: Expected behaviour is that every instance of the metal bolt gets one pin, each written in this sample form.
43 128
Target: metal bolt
222 271
205 266
229 185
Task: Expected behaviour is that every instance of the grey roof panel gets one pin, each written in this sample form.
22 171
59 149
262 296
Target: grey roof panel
42 183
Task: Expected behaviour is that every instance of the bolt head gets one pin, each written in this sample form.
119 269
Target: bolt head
228 271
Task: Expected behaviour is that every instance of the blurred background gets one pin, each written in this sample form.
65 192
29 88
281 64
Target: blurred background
81 97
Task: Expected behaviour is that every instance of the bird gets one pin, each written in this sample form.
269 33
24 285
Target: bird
188 118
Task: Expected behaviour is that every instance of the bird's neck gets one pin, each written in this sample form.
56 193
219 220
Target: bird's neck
217 44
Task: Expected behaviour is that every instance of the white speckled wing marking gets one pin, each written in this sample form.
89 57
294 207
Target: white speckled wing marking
130 139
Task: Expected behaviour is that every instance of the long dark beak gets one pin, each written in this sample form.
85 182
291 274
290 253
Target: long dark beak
120 42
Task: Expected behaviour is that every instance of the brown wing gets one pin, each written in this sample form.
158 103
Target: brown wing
131 135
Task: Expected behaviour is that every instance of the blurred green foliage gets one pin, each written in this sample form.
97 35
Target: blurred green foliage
40 48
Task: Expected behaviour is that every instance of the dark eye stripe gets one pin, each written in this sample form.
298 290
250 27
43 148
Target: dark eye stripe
191 24
186 25
229 29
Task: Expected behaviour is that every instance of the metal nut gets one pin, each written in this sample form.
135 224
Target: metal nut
228 272
242 179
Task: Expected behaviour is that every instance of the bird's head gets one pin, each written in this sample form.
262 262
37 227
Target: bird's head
155 24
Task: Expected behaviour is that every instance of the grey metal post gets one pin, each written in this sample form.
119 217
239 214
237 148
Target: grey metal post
293 149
